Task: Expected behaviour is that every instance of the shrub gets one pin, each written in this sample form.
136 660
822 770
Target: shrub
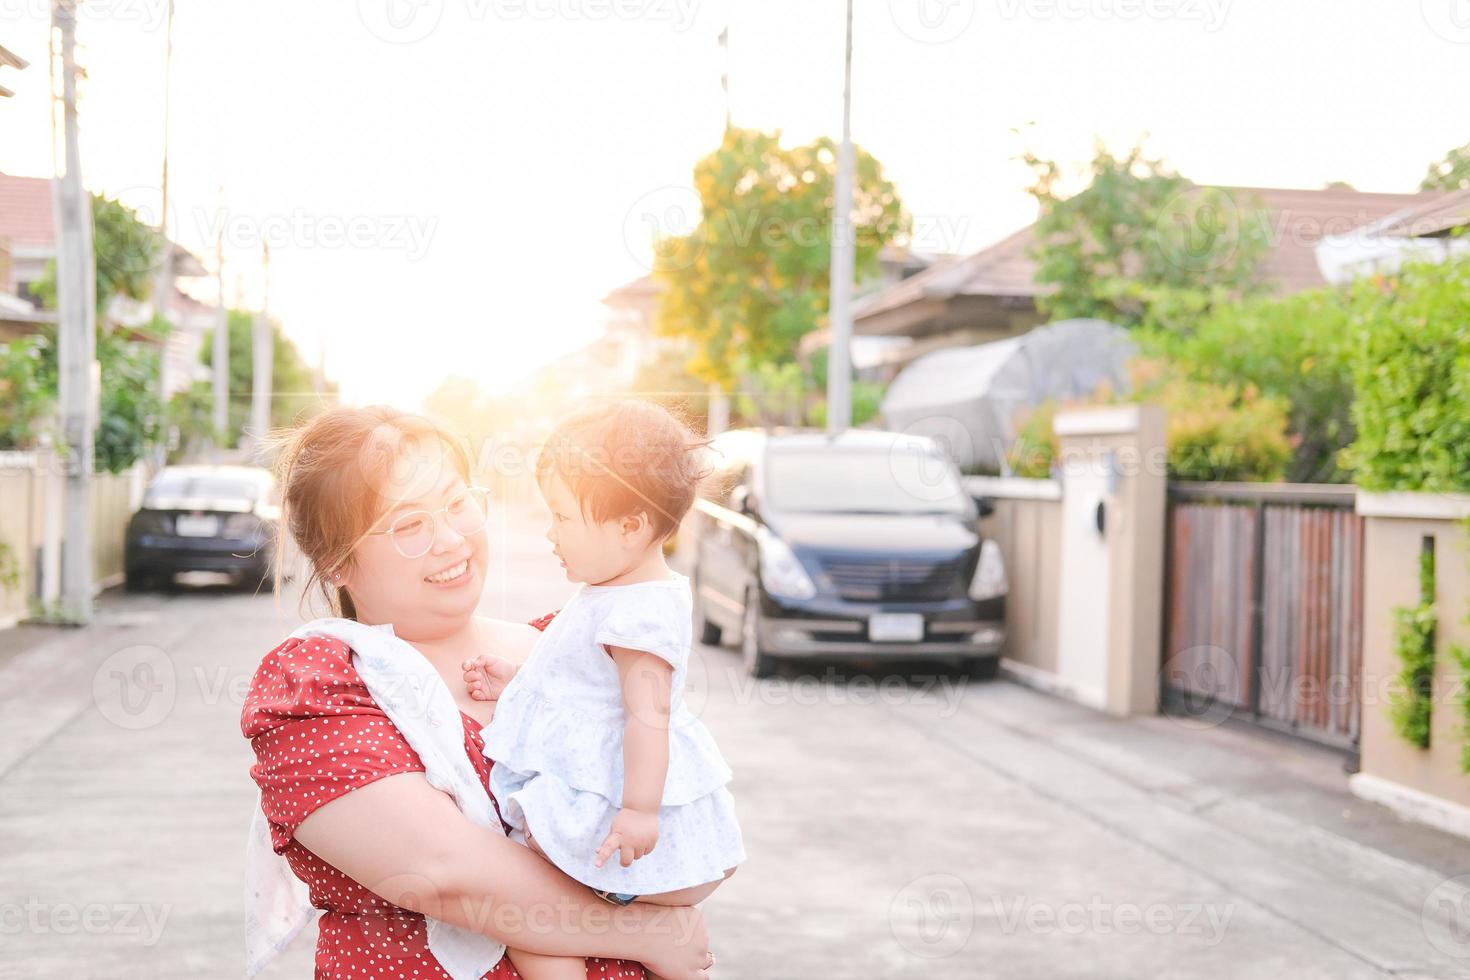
1215 431
1297 349
1411 373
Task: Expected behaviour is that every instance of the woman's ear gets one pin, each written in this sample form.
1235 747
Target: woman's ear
341 577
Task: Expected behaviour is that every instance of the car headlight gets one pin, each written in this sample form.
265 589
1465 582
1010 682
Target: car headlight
990 573
781 573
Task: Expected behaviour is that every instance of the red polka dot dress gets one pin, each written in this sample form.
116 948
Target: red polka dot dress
318 734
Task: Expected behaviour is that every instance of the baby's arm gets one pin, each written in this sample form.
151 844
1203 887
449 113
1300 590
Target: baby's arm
647 683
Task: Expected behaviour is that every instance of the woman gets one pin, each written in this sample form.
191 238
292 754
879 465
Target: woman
373 499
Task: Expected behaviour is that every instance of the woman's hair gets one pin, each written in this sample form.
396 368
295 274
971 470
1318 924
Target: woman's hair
333 470
625 457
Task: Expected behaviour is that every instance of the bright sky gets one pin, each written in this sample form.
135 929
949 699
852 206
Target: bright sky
450 186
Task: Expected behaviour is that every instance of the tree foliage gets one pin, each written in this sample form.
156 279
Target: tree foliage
127 254
1215 430
1450 174
130 417
1298 349
294 386
1141 243
1411 375
752 278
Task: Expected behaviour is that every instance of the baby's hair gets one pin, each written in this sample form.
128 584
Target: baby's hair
627 457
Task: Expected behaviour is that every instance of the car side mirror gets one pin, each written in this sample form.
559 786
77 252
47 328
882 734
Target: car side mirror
985 505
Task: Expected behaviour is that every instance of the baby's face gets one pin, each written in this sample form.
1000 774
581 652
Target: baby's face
590 552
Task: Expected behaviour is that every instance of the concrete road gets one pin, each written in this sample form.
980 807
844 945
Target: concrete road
900 823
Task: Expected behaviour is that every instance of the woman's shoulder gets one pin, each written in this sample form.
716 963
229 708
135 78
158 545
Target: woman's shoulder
303 677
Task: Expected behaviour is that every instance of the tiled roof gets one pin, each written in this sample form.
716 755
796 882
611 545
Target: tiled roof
1298 220
1432 218
26 219
25 210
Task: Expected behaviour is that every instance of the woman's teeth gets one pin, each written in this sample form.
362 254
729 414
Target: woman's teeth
449 574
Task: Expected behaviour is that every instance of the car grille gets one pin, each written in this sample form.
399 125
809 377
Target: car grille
879 577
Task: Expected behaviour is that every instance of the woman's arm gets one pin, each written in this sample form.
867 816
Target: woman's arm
407 842
647 683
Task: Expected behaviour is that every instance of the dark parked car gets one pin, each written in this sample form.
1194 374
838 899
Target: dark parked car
204 519
864 544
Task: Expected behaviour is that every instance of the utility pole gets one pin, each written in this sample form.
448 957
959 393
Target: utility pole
839 309
263 349
717 415
163 283
220 362
76 289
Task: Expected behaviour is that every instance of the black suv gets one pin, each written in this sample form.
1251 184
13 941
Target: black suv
862 544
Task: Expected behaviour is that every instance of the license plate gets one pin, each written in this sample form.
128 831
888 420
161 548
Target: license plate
196 526
895 627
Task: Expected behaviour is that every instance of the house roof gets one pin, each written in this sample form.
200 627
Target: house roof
1298 221
1432 218
25 210
26 219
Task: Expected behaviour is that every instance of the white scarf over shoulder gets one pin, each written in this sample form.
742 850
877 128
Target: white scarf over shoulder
415 699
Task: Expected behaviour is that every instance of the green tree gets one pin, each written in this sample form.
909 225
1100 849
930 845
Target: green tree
294 385
1141 243
126 254
1450 174
752 278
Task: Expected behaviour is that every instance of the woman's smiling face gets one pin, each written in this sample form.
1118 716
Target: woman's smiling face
434 594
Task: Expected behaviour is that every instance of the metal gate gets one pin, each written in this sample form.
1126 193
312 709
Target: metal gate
1263 608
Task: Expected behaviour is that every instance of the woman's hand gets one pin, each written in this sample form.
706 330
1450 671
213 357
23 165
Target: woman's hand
677 940
486 676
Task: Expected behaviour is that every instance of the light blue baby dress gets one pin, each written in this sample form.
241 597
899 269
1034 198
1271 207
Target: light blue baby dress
557 743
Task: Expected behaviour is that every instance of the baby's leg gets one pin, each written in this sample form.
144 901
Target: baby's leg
692 895
538 966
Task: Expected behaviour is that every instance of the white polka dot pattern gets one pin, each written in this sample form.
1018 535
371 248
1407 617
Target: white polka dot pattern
318 734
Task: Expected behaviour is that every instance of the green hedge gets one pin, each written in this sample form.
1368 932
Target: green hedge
1411 375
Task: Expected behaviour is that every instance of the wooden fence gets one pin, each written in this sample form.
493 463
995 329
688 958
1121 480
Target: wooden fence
1264 607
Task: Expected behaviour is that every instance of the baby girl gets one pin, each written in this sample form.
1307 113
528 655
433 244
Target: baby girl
599 765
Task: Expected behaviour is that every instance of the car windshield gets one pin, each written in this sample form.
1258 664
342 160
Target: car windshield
197 486
902 481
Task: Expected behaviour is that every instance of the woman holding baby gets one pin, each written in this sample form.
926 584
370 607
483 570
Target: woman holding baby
454 805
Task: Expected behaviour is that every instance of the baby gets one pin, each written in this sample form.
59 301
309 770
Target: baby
596 754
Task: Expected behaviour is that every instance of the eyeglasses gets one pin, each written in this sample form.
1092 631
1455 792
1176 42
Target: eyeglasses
413 533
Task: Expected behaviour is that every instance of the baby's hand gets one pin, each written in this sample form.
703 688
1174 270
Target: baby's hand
486 677
634 833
